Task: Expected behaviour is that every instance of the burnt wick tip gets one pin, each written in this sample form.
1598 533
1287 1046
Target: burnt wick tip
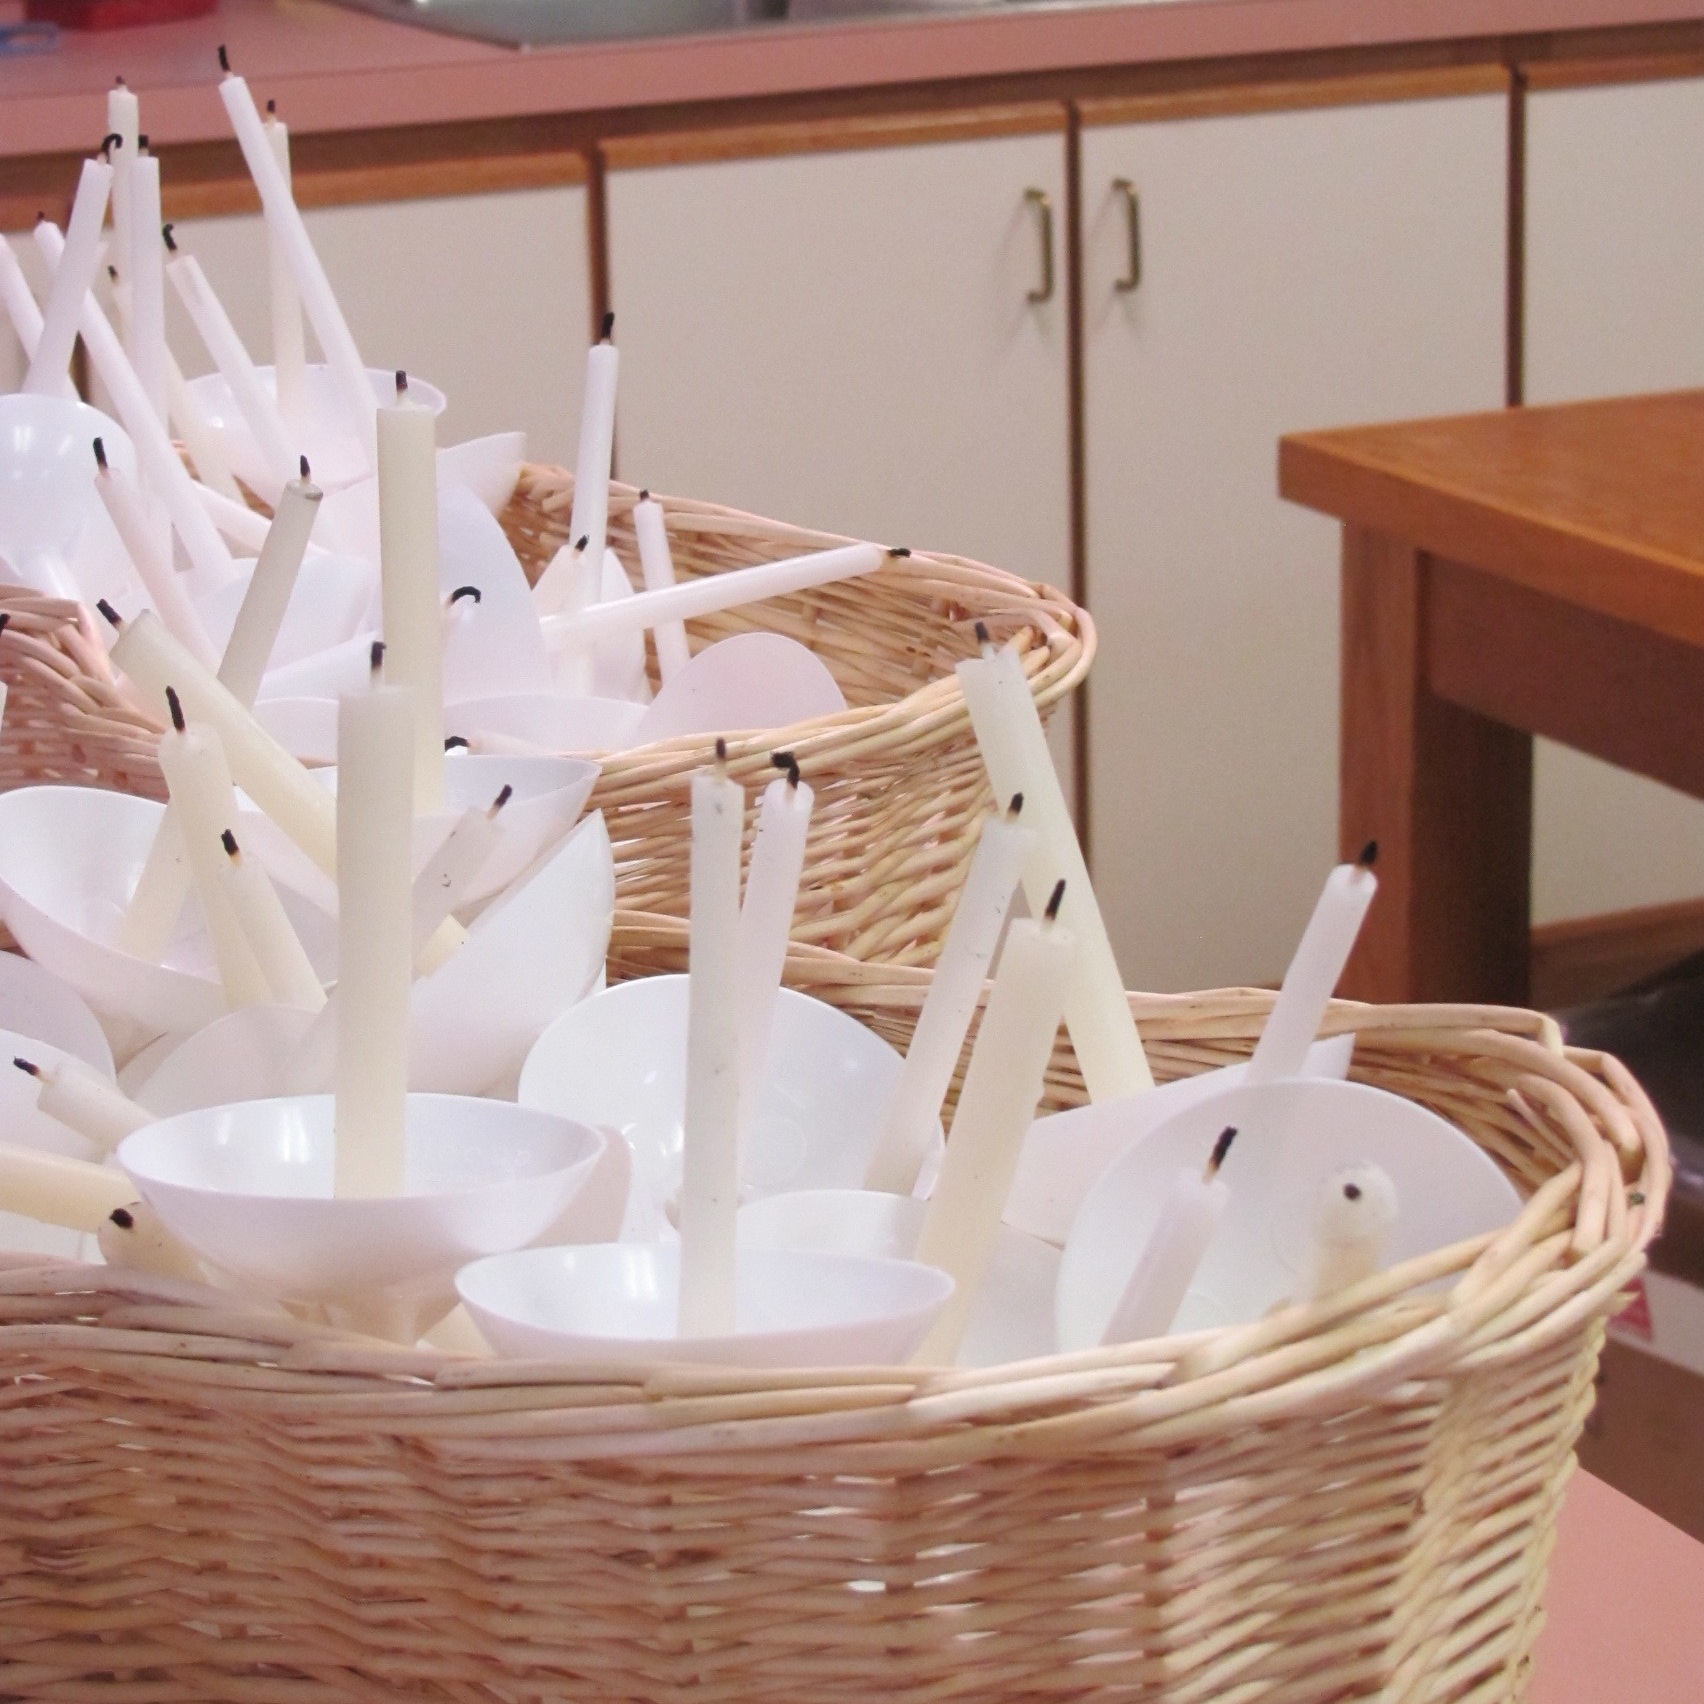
1221 1148
608 330
272 109
111 140
166 232
123 1218
401 380
467 592
982 633
28 1066
175 705
455 742
100 455
1351 1192
229 841
1056 899
582 541
502 798
721 750
1369 855
306 472
224 58
5 619
645 495
787 761
376 656
1015 808
899 550
109 612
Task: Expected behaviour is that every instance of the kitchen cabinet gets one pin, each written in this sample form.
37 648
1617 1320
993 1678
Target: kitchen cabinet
869 340
1298 268
487 296
1614 282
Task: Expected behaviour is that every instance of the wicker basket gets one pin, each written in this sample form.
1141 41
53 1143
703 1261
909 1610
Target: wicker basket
199 1502
898 780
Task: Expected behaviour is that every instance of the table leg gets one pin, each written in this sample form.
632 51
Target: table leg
1446 793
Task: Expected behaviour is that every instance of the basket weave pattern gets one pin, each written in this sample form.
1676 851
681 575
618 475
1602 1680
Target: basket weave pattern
898 781
1354 1500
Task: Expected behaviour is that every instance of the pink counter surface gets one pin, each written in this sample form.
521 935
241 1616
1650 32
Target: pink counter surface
331 69
1624 1606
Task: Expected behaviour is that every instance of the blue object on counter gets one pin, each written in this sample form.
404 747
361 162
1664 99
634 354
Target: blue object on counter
28 38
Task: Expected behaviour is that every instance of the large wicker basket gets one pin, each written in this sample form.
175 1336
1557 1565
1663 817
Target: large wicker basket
898 780
1351 1501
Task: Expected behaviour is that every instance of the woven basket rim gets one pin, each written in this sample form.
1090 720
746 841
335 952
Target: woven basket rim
1577 1243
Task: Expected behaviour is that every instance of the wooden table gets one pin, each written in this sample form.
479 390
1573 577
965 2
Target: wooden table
1534 571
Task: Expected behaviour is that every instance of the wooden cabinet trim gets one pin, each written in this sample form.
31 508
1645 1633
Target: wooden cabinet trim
832 135
1369 89
1596 73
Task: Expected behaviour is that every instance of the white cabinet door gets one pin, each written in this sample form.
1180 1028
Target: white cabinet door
486 296
845 341
1614 304
1300 269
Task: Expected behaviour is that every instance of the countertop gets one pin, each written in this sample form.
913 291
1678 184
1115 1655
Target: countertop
1623 1605
332 69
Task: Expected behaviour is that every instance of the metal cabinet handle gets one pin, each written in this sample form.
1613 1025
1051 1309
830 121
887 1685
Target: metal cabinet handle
1040 201
1133 227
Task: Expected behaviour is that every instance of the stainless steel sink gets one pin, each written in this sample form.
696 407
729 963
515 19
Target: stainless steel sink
538 23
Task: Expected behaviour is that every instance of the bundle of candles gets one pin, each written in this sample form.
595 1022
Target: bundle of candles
339 1041
345 457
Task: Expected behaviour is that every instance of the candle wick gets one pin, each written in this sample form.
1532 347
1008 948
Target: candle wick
123 1218
454 741
467 592
306 475
721 758
175 705
645 495
224 60
166 232
112 273
983 640
1056 901
581 542
27 1066
142 144
100 455
1351 1192
786 760
229 841
401 382
1015 808
110 141
109 612
119 83
898 549
376 656
272 109
5 619
501 800
608 328
1220 1149
1369 855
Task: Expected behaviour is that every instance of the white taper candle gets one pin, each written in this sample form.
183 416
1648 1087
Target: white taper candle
156 455
146 332
709 1196
22 309
73 272
1354 1215
1008 1067
1293 1023
134 1239
375 741
950 1004
289 348
255 631
278 950
59 1191
207 313
86 1102
591 468
408 570
656 563
444 879
123 121
766 919
1014 752
712 592
1173 1253
270 776
284 217
124 503
203 803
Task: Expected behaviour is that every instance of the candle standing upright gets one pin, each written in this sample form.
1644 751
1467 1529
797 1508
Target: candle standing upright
656 563
709 1195
1014 751
408 573
375 743
124 121
592 467
289 348
146 341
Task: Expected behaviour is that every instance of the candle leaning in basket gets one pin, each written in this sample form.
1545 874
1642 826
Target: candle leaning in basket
1352 1497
